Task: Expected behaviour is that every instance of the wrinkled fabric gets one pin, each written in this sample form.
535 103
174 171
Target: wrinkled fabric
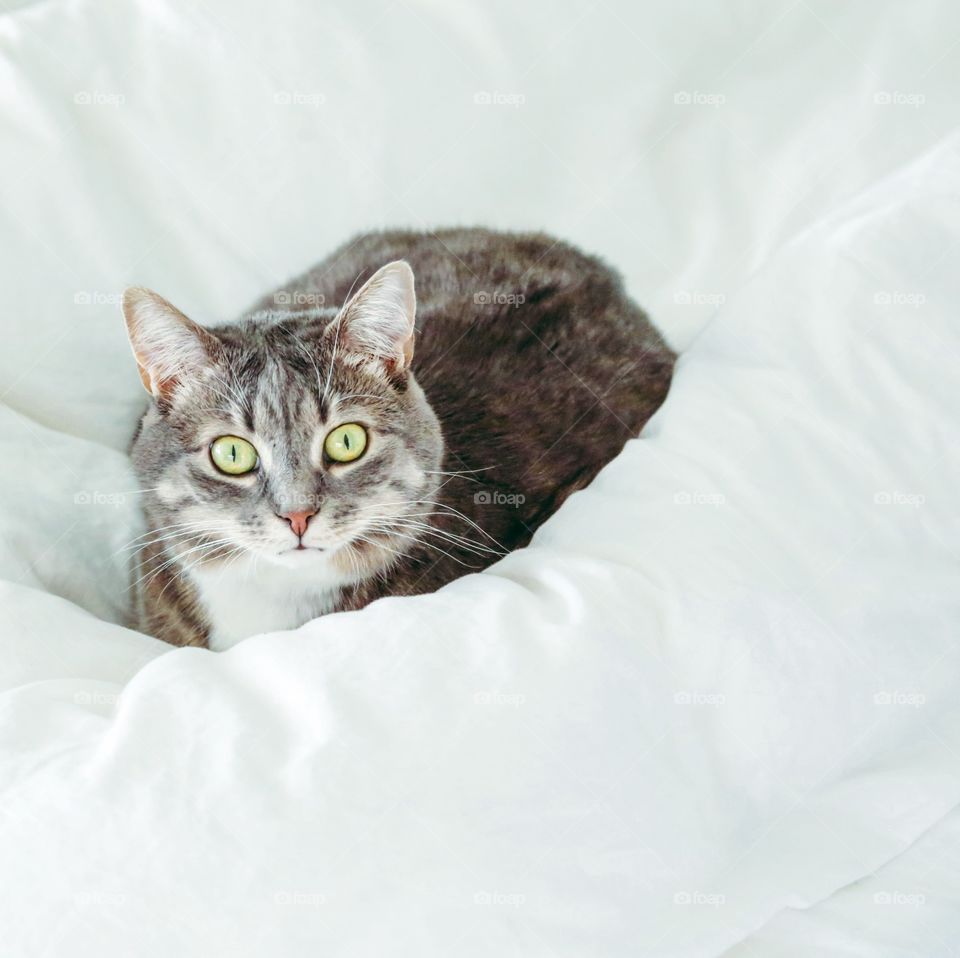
712 706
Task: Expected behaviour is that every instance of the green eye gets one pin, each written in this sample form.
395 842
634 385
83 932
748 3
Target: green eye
346 443
233 455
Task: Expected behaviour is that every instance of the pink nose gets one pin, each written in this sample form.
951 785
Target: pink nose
299 520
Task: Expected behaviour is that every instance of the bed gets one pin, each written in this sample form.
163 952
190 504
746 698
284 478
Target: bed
711 710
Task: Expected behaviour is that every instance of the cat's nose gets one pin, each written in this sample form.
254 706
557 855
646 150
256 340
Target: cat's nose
298 520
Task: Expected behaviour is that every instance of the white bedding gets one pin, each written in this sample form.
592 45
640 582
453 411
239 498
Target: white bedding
712 709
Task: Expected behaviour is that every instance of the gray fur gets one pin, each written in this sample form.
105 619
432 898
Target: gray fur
530 370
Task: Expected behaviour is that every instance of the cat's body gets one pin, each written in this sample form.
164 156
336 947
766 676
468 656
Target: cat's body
534 369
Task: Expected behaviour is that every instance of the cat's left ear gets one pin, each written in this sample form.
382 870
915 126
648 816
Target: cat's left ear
167 346
377 321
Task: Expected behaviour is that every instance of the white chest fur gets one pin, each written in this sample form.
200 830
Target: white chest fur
249 596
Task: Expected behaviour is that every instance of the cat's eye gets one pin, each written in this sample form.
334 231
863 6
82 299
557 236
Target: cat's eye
233 455
346 442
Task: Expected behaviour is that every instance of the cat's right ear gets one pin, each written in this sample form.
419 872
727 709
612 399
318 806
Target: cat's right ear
377 322
166 344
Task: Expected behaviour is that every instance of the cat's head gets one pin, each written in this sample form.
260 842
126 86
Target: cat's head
297 437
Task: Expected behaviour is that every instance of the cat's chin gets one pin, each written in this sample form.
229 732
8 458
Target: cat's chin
299 558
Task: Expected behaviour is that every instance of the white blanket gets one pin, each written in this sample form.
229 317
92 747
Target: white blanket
721 682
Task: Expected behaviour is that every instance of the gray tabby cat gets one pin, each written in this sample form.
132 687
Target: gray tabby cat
335 446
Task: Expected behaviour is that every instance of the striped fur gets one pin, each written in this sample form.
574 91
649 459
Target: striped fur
528 371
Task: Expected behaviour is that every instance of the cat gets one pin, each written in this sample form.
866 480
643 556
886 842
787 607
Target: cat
404 413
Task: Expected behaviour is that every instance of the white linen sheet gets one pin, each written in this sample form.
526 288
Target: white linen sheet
715 695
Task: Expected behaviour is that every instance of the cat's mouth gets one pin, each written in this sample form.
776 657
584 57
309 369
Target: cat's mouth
301 557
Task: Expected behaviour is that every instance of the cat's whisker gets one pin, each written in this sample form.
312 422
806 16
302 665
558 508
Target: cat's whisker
457 473
381 545
179 557
230 398
448 514
417 530
351 557
172 525
450 511
456 512
431 545
452 537
333 356
181 573
151 537
134 492
228 561
237 395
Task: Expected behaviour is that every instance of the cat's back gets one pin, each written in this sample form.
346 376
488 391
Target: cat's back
506 288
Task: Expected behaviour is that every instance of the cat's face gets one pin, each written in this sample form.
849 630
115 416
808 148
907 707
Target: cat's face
299 439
